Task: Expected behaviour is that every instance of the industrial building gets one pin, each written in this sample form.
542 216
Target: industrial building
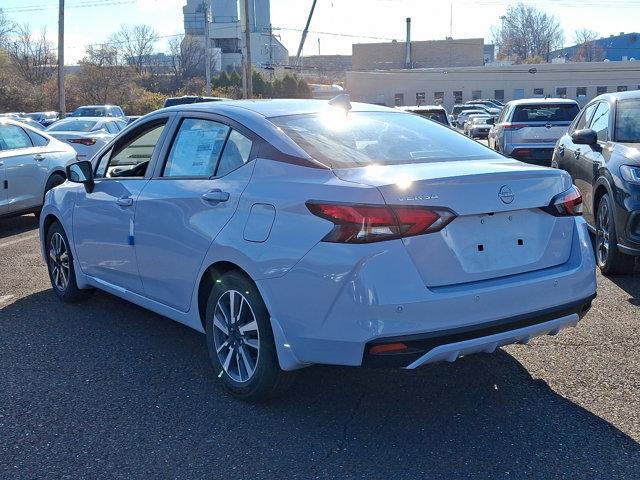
625 46
449 86
225 33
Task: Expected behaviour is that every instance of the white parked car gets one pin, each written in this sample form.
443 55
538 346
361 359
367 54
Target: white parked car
464 116
31 163
86 135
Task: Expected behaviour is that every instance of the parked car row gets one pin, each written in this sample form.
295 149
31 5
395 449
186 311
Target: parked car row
222 216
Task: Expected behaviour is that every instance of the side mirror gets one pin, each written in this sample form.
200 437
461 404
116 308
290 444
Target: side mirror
81 172
585 136
491 121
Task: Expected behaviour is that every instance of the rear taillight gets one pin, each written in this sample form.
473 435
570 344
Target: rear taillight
83 141
566 203
356 223
514 126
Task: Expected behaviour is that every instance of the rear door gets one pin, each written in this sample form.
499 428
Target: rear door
187 203
24 164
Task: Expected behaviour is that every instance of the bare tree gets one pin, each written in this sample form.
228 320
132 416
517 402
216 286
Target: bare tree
102 78
588 49
6 27
188 57
136 45
33 57
527 32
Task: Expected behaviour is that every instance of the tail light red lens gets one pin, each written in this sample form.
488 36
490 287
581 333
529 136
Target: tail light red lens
83 141
357 223
568 203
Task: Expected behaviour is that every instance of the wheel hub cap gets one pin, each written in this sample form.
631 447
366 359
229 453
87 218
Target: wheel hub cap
236 336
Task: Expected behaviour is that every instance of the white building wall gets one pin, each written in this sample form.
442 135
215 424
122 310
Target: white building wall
515 81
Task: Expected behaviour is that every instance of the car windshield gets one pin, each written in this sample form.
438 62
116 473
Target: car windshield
73 126
548 112
89 112
628 121
342 140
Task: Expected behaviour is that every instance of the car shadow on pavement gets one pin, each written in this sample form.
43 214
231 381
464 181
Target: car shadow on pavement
108 387
10 226
630 284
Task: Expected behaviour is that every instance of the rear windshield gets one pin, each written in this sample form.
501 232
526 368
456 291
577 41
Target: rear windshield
342 140
439 116
561 112
628 121
73 126
89 112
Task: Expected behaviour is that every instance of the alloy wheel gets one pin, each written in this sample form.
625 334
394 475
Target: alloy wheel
603 231
236 336
59 261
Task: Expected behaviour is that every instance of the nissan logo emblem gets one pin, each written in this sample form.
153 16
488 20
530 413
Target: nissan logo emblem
506 194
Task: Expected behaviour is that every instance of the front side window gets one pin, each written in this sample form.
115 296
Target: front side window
13 137
131 157
342 140
628 121
196 149
600 121
585 116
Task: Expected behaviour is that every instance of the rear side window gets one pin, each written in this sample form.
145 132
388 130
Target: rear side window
342 140
562 112
13 137
38 140
196 148
585 116
236 153
111 128
435 115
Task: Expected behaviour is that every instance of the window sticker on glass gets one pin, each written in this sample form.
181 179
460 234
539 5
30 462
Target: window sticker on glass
196 149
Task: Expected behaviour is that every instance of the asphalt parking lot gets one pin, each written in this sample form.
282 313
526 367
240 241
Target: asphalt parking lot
105 389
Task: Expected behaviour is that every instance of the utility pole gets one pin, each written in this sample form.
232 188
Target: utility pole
247 81
207 46
61 100
305 32
271 67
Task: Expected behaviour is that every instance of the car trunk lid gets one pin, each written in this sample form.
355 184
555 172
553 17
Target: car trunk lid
499 230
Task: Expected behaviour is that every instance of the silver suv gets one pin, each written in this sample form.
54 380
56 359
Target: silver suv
528 130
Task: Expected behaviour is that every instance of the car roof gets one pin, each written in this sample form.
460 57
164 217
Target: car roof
271 108
542 101
612 97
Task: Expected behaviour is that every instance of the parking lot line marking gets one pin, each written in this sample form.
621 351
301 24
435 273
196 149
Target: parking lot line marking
18 240
5 299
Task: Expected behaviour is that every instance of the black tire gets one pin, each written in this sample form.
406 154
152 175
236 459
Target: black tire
68 290
54 180
268 380
610 260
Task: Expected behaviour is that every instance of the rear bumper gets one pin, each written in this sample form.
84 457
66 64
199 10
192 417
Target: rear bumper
535 154
449 345
338 300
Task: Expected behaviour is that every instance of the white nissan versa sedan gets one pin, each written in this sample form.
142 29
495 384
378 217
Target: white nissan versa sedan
299 232
31 163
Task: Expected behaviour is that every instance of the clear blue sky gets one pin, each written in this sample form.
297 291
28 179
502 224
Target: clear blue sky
368 18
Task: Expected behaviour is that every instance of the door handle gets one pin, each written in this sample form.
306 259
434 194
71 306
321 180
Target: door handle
125 201
39 157
577 153
216 196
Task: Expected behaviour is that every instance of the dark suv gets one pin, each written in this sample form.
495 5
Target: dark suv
601 151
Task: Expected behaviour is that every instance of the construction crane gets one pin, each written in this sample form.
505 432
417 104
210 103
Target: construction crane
304 33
